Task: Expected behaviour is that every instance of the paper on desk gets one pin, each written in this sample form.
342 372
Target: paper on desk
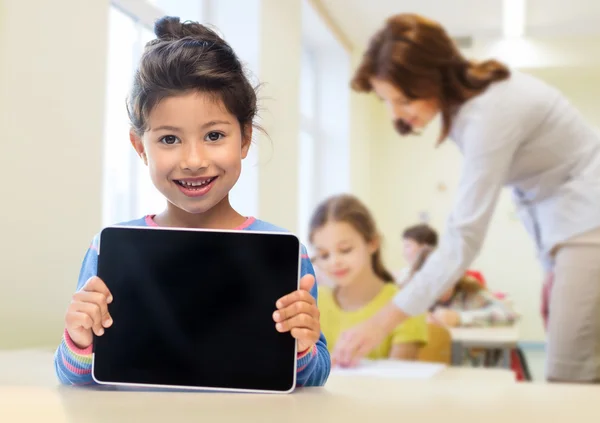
395 369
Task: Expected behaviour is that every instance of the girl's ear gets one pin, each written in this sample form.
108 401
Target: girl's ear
374 244
138 145
246 140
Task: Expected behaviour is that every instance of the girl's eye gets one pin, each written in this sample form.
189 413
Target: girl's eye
346 250
213 136
323 256
169 140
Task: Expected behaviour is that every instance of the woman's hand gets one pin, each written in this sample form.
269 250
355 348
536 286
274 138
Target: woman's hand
88 312
298 314
359 341
546 291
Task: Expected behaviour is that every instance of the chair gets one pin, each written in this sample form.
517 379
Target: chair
439 345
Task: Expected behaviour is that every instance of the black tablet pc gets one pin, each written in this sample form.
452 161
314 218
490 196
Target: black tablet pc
193 309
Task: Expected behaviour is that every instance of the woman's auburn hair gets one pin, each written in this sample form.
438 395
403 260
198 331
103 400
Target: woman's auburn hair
417 56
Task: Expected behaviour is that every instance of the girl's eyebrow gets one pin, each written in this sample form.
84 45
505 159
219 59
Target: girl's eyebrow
214 123
166 128
204 126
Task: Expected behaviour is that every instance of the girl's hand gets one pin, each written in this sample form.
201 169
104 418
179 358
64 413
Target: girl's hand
88 312
354 344
298 313
431 319
446 317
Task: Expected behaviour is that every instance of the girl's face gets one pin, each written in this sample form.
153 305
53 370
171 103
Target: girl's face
411 250
193 149
342 252
416 113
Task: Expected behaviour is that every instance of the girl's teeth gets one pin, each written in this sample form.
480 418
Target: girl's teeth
196 183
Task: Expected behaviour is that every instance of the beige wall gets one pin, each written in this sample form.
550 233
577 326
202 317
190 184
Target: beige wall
365 113
52 87
409 176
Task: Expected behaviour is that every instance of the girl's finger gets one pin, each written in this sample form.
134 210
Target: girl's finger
95 284
77 319
100 300
307 282
295 297
303 320
306 335
93 311
295 309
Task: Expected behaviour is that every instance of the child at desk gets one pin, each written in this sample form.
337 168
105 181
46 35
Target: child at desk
348 250
468 303
191 110
414 240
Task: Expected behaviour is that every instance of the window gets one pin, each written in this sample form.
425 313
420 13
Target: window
323 150
123 45
307 151
306 191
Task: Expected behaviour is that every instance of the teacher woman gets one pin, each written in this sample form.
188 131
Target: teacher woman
513 130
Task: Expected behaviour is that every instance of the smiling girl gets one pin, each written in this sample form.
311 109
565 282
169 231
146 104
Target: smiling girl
348 250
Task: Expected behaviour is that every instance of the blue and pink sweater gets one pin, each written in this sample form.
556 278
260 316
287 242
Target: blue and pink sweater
74 365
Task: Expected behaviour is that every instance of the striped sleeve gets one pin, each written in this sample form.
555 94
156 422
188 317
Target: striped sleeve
73 365
314 364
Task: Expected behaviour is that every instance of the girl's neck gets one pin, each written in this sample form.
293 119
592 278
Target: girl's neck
221 216
360 292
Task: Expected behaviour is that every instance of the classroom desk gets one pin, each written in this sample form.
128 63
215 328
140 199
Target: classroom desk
340 401
460 395
501 338
35 368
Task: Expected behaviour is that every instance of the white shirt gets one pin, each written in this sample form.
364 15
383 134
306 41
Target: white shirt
401 276
523 134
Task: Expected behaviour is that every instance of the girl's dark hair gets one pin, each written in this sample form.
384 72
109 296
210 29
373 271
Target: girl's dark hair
188 57
418 56
421 234
349 209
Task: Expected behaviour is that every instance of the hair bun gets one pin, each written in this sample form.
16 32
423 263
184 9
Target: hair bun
170 28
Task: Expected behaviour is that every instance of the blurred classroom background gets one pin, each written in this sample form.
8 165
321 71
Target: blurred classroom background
68 168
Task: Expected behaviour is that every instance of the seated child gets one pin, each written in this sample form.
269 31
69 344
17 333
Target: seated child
348 250
468 303
414 239
191 110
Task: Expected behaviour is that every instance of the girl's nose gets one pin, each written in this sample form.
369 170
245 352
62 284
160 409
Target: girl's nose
194 157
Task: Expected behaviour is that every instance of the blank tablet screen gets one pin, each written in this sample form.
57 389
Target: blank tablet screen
194 308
